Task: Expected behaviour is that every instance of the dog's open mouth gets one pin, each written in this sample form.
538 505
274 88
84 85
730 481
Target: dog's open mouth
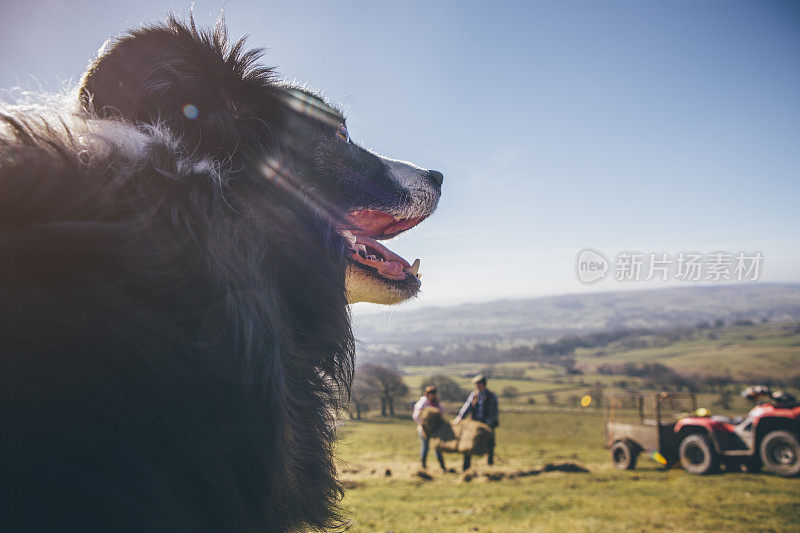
370 226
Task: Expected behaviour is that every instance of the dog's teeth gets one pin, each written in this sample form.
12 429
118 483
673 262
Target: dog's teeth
350 237
414 268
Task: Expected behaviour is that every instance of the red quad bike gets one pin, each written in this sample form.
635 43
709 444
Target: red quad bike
656 424
767 437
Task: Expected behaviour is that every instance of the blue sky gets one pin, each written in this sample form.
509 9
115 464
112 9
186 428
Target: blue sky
648 126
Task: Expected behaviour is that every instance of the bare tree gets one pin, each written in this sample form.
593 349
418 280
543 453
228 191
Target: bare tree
361 395
387 384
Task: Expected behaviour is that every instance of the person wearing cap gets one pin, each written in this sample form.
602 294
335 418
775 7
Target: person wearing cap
429 399
482 405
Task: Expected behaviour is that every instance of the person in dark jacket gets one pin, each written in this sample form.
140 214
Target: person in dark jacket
482 405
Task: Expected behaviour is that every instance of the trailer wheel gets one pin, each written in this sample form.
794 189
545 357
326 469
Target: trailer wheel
624 454
697 455
780 453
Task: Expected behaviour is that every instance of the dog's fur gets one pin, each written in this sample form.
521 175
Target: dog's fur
175 333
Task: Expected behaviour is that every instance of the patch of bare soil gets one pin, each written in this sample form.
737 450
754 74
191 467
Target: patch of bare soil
353 474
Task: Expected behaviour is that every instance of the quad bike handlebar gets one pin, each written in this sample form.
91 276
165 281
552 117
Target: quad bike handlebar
777 398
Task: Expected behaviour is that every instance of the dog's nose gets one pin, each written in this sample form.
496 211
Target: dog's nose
436 177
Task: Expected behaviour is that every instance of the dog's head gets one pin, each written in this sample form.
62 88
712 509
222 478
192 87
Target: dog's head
221 104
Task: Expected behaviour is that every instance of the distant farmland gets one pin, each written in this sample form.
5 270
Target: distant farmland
542 424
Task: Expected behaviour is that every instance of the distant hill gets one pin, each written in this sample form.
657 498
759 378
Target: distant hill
543 319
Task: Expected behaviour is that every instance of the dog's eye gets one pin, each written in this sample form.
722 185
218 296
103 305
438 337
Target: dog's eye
341 132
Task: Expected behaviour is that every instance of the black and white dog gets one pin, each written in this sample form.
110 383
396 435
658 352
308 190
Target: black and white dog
177 257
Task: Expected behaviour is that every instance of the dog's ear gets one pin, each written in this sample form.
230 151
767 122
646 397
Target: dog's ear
190 80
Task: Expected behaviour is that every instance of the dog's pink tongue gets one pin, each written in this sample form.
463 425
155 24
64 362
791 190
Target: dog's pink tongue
387 254
380 224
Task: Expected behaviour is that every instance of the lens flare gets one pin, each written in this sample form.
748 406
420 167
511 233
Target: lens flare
190 111
586 401
660 459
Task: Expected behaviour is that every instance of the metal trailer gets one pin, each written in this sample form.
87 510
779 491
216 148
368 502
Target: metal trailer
644 422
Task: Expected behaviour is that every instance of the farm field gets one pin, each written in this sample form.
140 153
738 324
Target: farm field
542 424
604 499
754 353
768 350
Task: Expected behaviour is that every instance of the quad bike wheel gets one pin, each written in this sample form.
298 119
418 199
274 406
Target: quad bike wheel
780 453
624 454
697 455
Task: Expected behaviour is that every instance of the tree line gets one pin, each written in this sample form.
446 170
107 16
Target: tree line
382 387
560 351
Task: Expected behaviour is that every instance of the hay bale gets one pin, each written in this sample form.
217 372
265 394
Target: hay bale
468 436
445 439
430 419
473 437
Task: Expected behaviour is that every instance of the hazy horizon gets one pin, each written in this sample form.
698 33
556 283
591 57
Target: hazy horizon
362 310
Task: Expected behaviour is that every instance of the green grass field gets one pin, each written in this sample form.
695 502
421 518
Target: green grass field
552 430
604 499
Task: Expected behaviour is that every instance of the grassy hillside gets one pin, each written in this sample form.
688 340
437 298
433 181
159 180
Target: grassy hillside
769 351
546 318
761 353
